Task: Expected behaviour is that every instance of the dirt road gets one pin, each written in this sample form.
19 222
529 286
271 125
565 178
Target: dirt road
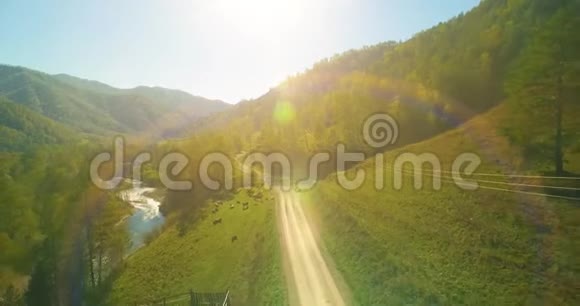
313 284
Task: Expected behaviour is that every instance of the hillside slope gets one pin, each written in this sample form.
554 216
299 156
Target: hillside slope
204 256
452 246
21 128
429 84
440 78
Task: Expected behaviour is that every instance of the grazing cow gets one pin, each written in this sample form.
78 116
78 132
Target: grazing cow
234 238
217 221
232 206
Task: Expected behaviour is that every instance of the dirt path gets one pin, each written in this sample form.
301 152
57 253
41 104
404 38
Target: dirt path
312 281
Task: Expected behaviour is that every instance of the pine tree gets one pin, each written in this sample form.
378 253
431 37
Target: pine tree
544 86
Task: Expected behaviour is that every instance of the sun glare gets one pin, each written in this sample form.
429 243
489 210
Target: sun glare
262 17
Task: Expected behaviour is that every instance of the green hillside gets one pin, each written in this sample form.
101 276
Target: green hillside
430 83
21 128
450 246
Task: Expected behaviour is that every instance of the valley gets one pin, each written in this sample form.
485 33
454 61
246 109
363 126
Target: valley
498 83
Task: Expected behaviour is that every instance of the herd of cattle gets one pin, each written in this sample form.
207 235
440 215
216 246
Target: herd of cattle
245 206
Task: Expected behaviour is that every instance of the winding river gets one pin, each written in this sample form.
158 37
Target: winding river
146 217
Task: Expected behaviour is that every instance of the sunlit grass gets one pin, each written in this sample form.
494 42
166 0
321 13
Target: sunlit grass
206 259
450 246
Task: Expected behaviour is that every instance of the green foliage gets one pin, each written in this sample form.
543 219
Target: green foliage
21 128
106 243
38 205
11 297
468 58
544 87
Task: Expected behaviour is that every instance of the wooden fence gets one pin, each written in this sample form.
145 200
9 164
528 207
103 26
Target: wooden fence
193 299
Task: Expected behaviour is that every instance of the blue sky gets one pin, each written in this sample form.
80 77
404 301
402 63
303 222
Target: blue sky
224 49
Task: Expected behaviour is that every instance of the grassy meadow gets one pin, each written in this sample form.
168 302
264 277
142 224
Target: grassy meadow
451 247
205 259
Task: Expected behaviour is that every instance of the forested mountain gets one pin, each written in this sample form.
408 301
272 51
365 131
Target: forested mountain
95 108
439 78
180 106
21 128
429 84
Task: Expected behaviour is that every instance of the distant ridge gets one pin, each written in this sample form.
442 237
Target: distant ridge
92 107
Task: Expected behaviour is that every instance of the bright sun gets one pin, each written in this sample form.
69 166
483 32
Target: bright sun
262 17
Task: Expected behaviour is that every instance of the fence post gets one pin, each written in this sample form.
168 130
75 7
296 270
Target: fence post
227 299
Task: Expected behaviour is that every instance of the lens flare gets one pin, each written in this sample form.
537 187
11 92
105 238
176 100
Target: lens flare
284 112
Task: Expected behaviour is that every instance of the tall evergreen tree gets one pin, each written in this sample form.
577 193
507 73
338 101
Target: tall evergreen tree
544 87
